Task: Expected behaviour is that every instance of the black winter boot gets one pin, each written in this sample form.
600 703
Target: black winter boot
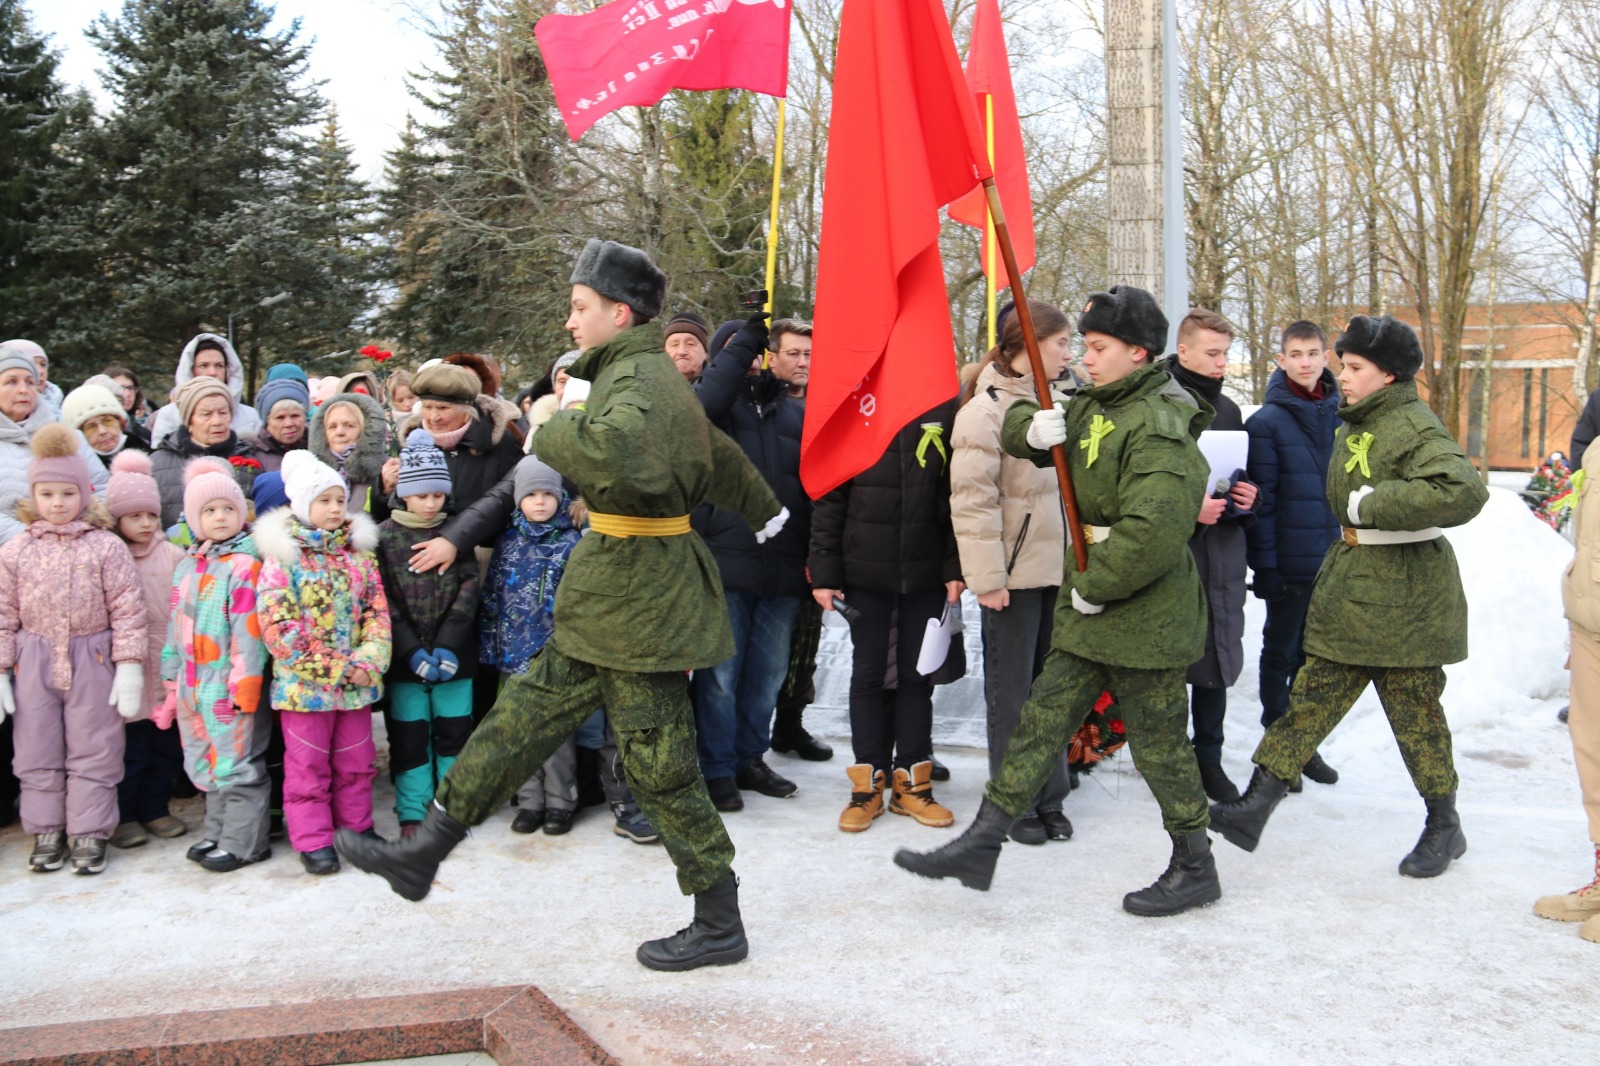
407 864
790 738
1241 821
1190 880
970 857
714 938
1442 840
1214 779
1320 772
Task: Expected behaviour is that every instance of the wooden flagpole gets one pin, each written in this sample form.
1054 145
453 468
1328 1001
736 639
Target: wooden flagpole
989 276
1058 454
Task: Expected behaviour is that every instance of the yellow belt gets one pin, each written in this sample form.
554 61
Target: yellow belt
625 525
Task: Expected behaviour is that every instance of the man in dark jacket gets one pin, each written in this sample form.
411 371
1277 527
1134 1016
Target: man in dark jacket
763 583
1291 444
883 541
1218 548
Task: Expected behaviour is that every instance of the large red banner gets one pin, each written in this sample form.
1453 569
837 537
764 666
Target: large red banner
637 51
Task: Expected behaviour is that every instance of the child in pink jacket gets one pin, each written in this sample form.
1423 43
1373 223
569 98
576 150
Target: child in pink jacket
325 619
153 758
72 628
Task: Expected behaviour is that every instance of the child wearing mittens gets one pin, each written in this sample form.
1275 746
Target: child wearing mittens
518 616
212 667
433 617
153 757
325 619
72 638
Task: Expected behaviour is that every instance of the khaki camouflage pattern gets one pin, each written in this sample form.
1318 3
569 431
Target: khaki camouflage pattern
654 724
1323 694
1147 484
1154 706
1395 604
644 448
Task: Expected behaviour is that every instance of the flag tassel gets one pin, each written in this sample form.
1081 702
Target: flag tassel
1030 339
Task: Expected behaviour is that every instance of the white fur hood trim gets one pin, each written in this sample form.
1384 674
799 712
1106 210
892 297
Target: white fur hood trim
272 536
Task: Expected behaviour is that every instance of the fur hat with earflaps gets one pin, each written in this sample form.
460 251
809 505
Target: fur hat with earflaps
1385 341
56 459
1129 314
619 272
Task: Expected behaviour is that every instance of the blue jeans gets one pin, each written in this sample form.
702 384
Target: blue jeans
1282 650
733 700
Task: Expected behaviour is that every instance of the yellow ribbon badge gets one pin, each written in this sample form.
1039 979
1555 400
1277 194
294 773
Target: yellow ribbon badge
932 433
1099 429
1359 445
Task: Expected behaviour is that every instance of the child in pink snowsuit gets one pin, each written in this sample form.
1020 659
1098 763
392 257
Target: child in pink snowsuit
72 624
325 619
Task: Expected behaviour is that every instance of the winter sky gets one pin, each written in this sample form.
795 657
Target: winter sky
362 49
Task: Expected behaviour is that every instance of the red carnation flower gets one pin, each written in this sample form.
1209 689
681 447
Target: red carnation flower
381 356
245 462
370 351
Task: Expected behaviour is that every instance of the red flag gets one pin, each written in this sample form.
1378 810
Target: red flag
636 51
903 142
989 77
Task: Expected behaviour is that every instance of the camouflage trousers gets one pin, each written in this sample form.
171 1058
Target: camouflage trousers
654 723
1154 705
1323 693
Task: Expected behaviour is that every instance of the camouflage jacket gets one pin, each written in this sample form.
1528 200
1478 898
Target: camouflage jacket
643 447
1137 469
1394 604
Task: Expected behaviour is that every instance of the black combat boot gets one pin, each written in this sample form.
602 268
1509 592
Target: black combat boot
1241 821
1190 880
970 857
407 864
1214 779
714 938
790 737
1442 840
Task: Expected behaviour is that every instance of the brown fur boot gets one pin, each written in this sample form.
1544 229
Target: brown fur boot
866 798
913 796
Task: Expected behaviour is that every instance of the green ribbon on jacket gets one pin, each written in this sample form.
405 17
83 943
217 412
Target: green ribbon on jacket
1360 444
932 433
1099 429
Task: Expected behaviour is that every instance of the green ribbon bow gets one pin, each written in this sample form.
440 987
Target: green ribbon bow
1099 429
932 433
1360 445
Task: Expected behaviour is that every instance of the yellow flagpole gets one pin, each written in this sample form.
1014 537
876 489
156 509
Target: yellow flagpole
772 218
990 278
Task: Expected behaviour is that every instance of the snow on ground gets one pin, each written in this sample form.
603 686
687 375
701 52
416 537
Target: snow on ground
1318 952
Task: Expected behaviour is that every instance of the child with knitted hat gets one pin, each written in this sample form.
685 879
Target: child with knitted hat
517 618
152 757
433 618
325 619
72 640
212 666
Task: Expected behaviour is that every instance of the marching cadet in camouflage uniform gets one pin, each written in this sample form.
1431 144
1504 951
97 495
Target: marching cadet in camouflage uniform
640 603
1388 607
1135 619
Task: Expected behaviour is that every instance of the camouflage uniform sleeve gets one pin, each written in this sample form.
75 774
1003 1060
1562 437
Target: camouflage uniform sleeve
736 484
586 445
1441 489
1159 497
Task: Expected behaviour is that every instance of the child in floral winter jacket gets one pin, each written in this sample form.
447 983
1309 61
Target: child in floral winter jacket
518 616
434 619
153 758
69 609
213 666
325 619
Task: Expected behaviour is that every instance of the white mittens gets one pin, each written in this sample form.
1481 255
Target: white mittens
773 527
1049 428
1083 606
127 690
8 702
1355 503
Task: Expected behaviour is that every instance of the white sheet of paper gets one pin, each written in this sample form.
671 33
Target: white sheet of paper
1226 450
936 640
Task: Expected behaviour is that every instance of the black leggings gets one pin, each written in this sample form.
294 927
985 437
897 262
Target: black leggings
882 736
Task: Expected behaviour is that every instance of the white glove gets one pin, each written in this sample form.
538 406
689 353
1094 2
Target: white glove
1355 503
127 690
8 702
1083 606
773 527
1049 428
575 392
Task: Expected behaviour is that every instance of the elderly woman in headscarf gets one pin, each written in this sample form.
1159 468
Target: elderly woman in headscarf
206 414
351 434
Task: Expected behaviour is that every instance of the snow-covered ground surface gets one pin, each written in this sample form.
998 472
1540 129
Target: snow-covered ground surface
1318 952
